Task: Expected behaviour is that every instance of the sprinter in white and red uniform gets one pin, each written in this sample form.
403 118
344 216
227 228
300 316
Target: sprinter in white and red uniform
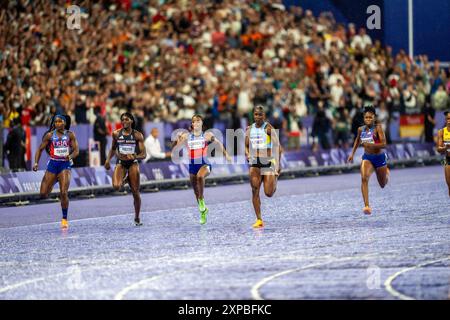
197 142
62 146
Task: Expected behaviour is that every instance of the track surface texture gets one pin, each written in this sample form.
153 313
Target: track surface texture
317 244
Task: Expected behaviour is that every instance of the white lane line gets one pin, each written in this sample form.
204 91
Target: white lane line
255 289
23 283
397 294
189 207
93 218
57 275
121 295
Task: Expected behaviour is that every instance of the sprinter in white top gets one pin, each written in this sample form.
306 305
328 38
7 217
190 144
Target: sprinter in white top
263 153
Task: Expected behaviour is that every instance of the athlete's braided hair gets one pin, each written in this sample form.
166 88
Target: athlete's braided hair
129 115
371 109
259 107
67 122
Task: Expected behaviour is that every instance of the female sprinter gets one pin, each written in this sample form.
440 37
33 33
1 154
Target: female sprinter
444 147
128 146
263 153
197 144
371 138
62 147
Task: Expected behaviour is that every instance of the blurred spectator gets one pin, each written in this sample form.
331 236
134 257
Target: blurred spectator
321 128
409 97
100 133
383 119
430 123
440 99
357 117
342 127
15 146
153 148
164 61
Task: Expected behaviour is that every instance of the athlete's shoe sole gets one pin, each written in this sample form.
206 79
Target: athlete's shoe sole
367 210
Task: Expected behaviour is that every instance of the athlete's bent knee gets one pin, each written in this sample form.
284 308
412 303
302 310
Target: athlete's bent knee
117 186
269 193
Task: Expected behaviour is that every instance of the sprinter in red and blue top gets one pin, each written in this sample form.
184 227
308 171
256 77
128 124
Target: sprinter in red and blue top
371 137
197 143
62 146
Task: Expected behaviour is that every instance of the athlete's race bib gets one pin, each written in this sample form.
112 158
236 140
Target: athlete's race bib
367 140
196 144
258 142
124 149
61 151
447 144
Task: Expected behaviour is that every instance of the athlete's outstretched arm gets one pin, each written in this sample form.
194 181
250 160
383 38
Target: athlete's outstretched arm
247 143
75 148
38 154
355 145
112 152
181 138
140 141
441 148
211 138
275 144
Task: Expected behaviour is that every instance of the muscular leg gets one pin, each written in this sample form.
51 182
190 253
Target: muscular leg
193 179
64 182
255 182
447 177
366 171
201 176
134 178
270 184
382 176
118 175
48 181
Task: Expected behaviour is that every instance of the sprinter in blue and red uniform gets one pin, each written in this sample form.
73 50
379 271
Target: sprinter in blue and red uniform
197 143
62 146
371 137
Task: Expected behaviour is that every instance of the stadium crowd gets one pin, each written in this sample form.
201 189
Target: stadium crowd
167 60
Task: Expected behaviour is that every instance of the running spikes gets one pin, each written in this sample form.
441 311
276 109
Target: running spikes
258 224
203 216
138 222
64 224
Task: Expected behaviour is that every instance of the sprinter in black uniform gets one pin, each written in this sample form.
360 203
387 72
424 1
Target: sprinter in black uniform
128 146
